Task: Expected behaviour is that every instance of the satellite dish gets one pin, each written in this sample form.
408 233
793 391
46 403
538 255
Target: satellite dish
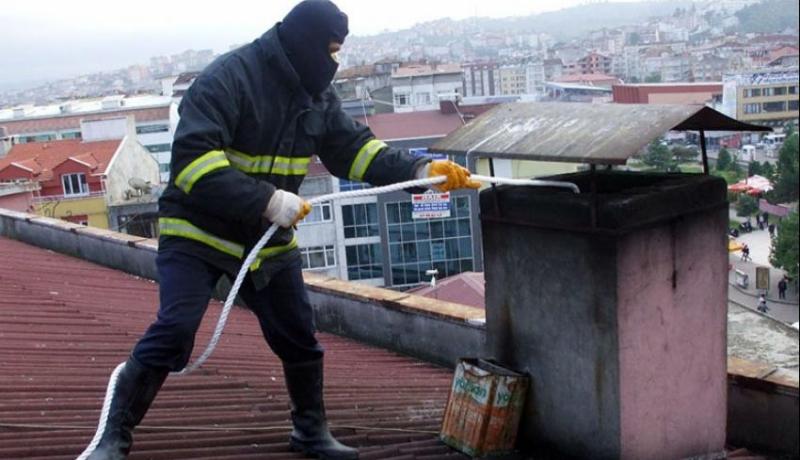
140 184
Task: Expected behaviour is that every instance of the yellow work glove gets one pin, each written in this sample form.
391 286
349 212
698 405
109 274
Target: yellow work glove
286 208
457 176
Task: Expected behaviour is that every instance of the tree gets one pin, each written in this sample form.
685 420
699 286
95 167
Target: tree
767 170
659 157
724 160
754 169
735 166
768 16
653 78
785 248
787 177
685 154
746 206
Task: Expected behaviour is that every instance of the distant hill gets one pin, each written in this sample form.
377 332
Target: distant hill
564 24
578 20
769 16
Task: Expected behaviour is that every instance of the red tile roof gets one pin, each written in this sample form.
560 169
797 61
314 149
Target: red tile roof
397 126
466 288
62 122
65 323
42 157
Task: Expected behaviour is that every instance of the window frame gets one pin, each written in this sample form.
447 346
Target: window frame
81 183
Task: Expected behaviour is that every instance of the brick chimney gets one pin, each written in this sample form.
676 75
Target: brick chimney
615 302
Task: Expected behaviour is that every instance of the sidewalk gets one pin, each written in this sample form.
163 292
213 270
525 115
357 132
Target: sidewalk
760 244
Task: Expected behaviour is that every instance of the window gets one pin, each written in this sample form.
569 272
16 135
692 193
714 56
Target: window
37 138
318 257
148 129
75 184
792 105
774 106
158 148
360 220
320 212
752 108
423 98
781 91
793 89
752 92
401 99
163 167
346 185
768 92
364 261
416 246
71 135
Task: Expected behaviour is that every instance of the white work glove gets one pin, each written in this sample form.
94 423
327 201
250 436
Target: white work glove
286 208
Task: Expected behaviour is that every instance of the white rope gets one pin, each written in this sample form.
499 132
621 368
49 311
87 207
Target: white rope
251 257
101 424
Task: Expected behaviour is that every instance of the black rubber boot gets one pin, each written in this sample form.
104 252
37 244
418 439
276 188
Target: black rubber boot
311 435
136 388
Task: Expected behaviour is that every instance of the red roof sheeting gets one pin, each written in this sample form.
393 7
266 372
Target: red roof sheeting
42 157
411 125
65 323
468 288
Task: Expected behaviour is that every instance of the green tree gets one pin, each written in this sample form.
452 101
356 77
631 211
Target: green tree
653 78
735 166
685 154
724 160
746 205
659 157
769 16
767 170
787 176
754 169
785 250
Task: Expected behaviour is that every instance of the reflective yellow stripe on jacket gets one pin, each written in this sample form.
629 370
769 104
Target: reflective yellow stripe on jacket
268 164
364 158
183 228
201 166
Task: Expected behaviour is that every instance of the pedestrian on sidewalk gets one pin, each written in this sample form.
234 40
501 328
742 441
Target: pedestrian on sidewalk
783 284
746 252
762 304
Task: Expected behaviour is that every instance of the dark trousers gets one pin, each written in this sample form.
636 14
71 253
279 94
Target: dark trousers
185 286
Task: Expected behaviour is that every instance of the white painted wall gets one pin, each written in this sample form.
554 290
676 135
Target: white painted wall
131 160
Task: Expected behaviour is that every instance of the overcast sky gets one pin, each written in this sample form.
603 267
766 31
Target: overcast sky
49 39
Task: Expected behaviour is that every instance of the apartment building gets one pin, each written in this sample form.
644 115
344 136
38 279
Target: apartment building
25 124
767 96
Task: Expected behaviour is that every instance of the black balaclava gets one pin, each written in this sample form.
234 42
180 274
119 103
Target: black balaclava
305 33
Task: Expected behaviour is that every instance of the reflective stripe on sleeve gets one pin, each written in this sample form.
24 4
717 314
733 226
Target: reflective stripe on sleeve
364 158
198 168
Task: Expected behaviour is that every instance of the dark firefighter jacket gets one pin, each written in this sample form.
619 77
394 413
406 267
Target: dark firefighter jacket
247 127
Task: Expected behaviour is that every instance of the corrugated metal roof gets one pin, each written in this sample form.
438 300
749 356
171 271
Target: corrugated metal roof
579 132
65 323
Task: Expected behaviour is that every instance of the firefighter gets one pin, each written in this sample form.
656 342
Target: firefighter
249 127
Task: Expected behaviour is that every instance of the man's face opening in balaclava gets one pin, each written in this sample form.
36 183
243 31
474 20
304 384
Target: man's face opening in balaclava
311 34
